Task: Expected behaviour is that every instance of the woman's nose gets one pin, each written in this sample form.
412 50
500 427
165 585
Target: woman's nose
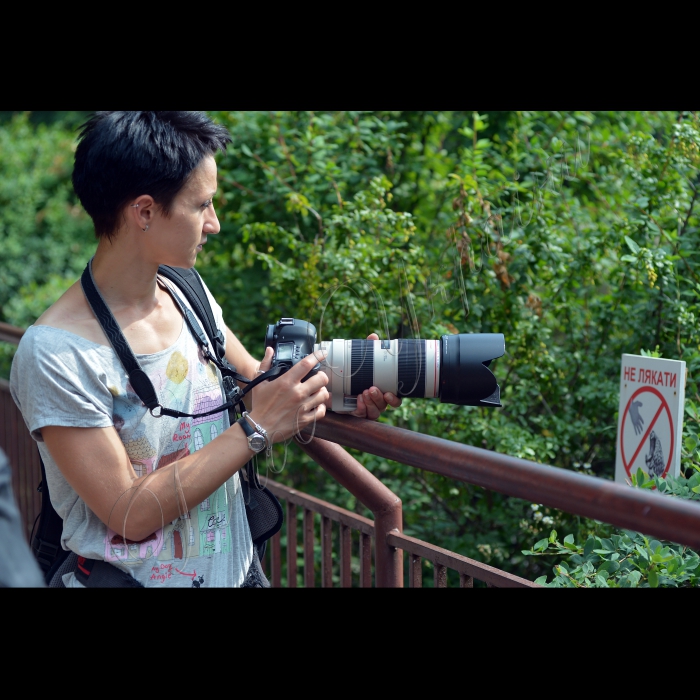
212 224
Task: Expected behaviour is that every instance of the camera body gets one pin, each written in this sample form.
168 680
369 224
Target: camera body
292 340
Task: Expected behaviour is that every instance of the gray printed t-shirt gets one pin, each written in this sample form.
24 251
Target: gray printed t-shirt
59 378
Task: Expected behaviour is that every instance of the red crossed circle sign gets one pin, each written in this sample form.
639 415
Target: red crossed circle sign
662 414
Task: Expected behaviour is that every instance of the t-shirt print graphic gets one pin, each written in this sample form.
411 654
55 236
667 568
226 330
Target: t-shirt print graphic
190 384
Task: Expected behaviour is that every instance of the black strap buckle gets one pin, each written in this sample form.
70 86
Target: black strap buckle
232 390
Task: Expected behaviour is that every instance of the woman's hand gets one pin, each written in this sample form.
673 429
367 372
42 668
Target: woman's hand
371 403
286 405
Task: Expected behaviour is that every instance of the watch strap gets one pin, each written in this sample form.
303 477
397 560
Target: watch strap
247 427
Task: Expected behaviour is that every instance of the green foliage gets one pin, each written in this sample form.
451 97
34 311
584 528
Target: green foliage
45 235
573 233
626 559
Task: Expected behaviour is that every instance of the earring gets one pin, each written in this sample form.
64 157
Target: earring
146 229
134 205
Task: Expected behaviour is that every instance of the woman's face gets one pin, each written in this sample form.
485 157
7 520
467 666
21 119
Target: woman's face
181 235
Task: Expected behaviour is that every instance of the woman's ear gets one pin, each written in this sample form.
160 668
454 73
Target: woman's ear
141 211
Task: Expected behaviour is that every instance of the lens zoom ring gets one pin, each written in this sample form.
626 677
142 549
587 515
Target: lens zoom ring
361 366
412 366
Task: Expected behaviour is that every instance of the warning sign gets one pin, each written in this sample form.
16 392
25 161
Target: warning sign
652 397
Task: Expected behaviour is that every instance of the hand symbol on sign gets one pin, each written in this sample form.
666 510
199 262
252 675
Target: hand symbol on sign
637 420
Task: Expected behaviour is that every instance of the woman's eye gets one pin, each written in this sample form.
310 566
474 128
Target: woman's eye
207 204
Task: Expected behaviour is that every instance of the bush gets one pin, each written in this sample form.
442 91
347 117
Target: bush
625 559
46 236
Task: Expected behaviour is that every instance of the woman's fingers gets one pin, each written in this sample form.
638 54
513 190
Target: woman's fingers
307 415
316 399
267 360
366 407
302 368
392 400
371 403
374 401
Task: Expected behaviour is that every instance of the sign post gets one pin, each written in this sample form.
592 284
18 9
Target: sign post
650 425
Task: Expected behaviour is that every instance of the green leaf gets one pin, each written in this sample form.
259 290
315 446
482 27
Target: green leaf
634 577
632 245
541 581
541 545
609 566
653 578
246 150
553 536
589 546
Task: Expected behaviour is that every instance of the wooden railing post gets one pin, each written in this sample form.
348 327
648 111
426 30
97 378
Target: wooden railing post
384 504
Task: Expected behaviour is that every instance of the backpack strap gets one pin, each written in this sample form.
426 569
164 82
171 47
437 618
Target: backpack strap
193 321
95 573
46 544
190 284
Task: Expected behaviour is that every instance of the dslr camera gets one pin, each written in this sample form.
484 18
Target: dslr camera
454 368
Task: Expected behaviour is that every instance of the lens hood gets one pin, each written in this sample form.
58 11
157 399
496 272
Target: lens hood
465 377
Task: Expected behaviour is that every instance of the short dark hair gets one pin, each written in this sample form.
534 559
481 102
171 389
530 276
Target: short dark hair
122 155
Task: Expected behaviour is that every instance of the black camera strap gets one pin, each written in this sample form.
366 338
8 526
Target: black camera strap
140 381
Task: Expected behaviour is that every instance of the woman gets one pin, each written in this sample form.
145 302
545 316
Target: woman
159 498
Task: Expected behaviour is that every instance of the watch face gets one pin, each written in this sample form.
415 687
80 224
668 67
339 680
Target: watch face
256 442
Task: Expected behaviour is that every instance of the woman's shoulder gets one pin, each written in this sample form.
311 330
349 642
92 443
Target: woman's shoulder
72 314
61 339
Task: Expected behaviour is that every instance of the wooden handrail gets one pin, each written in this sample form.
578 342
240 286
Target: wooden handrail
654 514
10 334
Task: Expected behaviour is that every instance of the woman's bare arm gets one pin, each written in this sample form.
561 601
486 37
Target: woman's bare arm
239 357
95 463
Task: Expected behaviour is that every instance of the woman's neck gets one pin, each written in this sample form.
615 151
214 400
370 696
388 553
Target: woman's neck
123 275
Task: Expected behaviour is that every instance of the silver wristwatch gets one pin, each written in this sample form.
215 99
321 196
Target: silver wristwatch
260 431
256 441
